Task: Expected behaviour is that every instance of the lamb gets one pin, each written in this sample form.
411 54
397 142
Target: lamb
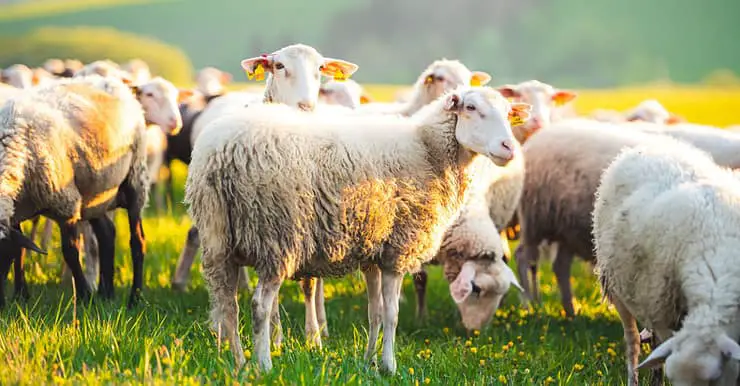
651 203
439 77
377 197
347 93
301 91
79 126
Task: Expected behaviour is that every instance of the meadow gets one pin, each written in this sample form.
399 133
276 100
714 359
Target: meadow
166 339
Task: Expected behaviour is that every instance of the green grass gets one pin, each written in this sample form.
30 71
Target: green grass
166 340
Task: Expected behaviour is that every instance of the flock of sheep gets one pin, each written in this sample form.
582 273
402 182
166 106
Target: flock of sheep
310 179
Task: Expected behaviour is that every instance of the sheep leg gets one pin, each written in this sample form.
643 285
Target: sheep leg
374 311
90 247
138 249
308 284
420 285
9 251
391 288
321 309
20 285
277 325
244 279
631 340
561 267
105 234
221 279
262 303
169 186
71 251
656 372
46 234
34 228
182 272
524 255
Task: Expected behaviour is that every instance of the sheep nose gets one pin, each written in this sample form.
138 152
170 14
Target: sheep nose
536 122
306 106
175 123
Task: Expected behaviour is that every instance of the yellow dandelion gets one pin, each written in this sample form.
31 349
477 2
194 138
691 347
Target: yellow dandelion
502 379
482 362
427 381
474 350
578 367
476 332
411 371
468 343
505 347
599 373
611 352
521 353
247 354
446 330
549 380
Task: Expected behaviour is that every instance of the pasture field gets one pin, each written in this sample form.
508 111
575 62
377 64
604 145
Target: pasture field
166 339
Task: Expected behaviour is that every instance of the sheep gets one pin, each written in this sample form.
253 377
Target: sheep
378 197
87 157
300 90
211 82
19 76
139 71
649 110
346 93
439 77
651 204
105 68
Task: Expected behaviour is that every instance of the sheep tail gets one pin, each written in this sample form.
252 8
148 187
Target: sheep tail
14 128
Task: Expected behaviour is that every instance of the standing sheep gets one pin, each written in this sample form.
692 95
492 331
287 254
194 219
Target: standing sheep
290 79
294 194
666 230
72 152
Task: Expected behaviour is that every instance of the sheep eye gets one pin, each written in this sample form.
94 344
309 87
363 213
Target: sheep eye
476 289
279 66
149 94
470 108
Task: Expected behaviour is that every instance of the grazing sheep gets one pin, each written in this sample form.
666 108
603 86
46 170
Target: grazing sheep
439 77
347 93
665 228
351 193
86 157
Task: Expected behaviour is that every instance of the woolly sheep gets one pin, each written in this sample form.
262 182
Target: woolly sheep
347 93
439 77
412 168
19 76
649 110
104 68
68 142
652 202
211 81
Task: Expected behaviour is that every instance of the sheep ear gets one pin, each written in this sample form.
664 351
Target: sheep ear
512 278
338 69
365 99
728 347
24 241
453 103
673 119
562 97
256 67
462 286
225 77
509 91
480 78
658 356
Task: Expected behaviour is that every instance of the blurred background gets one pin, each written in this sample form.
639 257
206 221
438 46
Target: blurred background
568 43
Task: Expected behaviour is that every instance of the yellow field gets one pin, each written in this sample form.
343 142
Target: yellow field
712 106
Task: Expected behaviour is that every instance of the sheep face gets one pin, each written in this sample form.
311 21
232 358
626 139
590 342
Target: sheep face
697 359
482 124
211 81
478 289
651 110
446 75
294 74
347 93
19 75
159 99
542 97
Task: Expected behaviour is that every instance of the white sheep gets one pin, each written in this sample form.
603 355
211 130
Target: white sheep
19 76
211 81
347 93
139 71
292 78
439 77
665 227
649 110
80 170
294 194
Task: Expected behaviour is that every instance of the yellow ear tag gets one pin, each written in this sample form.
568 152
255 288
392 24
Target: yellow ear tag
475 81
259 73
429 79
516 120
339 75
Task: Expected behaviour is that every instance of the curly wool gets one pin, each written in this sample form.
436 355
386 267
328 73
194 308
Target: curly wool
349 202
